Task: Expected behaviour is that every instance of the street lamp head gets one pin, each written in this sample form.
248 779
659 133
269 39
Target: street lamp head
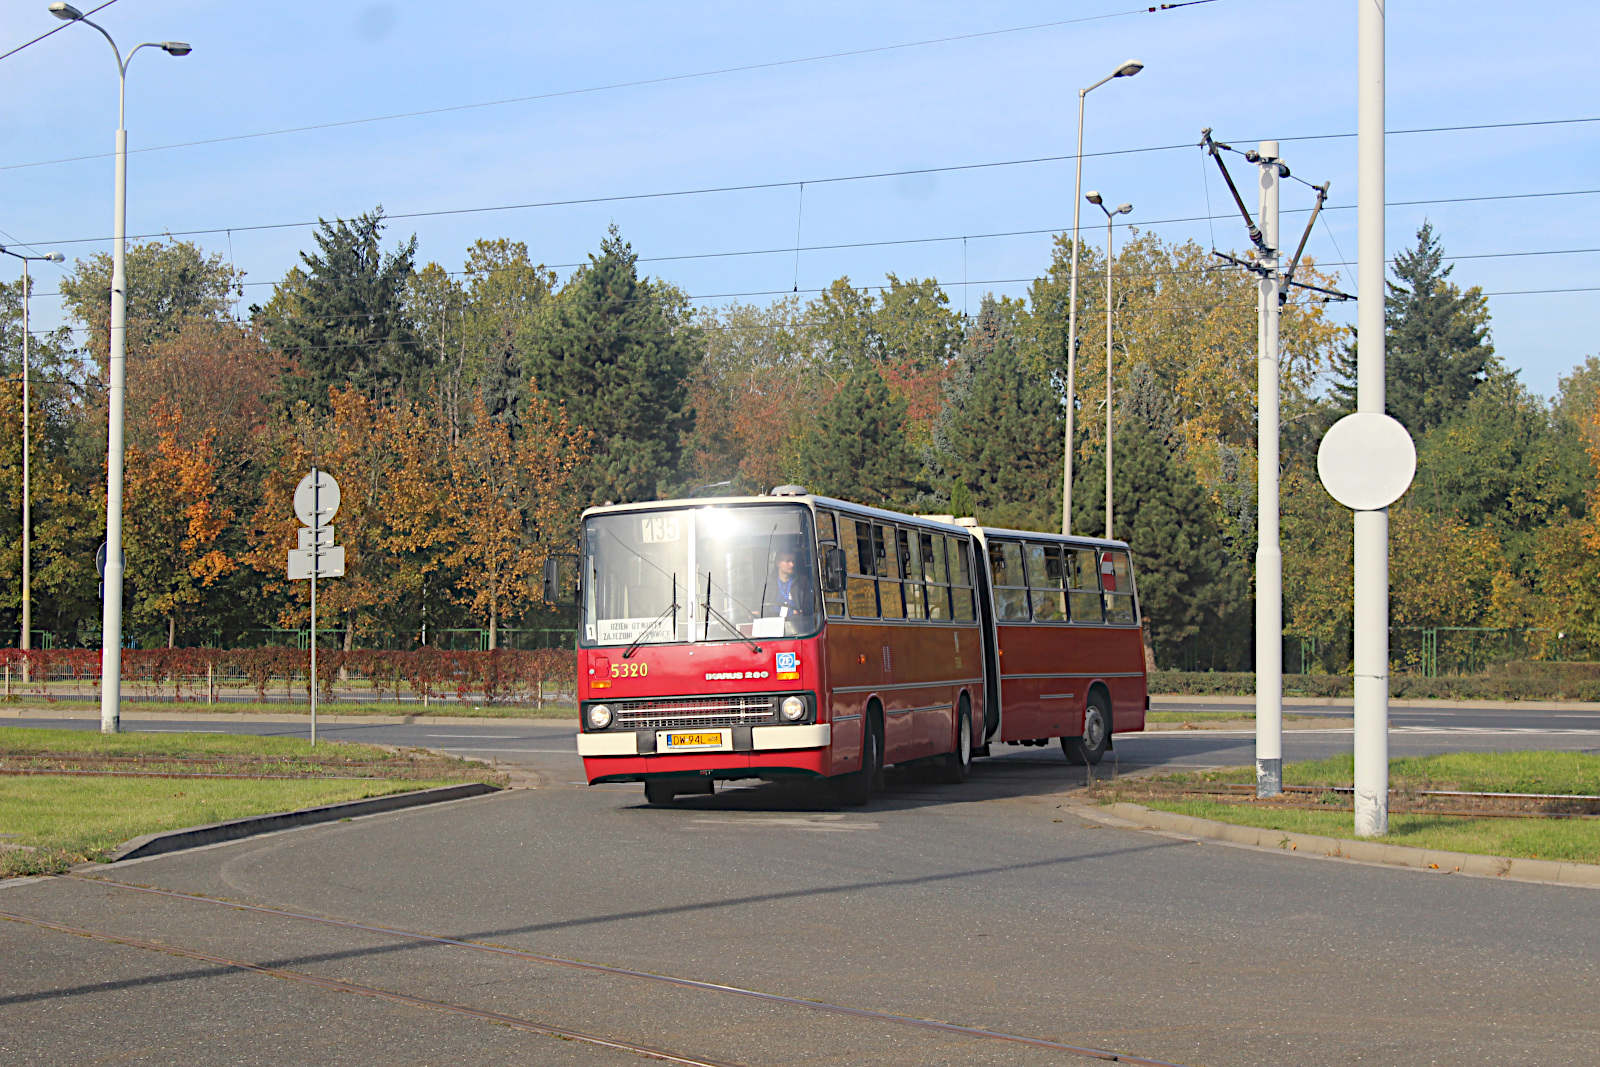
1129 69
1124 209
56 257
176 48
65 12
1092 196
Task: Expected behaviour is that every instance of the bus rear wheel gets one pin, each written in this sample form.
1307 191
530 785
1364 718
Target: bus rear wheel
955 766
1086 751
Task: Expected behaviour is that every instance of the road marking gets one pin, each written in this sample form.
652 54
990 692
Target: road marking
825 823
484 737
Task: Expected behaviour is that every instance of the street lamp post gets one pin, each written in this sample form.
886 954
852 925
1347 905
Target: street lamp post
1094 198
117 367
26 638
1127 70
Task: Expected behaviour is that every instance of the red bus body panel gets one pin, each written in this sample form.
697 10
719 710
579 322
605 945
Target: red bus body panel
1046 671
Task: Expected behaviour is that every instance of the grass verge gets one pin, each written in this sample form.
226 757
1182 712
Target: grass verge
1490 772
1570 840
50 821
1565 773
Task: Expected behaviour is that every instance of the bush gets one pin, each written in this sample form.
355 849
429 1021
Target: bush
505 676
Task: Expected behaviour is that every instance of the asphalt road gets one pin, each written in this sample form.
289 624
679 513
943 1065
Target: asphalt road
987 904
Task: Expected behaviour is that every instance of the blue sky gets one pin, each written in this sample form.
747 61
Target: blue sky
1248 68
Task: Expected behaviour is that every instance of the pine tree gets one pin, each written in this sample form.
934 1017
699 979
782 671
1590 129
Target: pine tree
857 449
614 348
1000 429
343 317
1438 349
1185 583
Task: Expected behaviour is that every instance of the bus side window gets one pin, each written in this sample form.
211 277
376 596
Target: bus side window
1117 583
883 542
938 579
827 532
911 571
861 591
1083 584
1044 578
1010 589
962 604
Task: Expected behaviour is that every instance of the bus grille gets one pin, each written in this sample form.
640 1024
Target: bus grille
693 711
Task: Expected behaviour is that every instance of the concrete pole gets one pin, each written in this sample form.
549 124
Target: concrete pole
1110 220
27 498
111 619
1371 527
1269 553
1072 332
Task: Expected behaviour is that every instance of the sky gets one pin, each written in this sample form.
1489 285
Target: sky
616 118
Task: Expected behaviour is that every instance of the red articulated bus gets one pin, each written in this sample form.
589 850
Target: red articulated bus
795 635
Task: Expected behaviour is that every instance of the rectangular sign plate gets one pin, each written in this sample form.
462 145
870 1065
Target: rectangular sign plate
694 740
330 562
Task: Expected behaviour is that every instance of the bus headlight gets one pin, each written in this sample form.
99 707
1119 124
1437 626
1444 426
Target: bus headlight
793 709
599 717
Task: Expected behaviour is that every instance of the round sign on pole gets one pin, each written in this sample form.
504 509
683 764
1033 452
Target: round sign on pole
1366 461
316 498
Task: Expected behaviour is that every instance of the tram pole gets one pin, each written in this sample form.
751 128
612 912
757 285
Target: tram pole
1371 653
1269 553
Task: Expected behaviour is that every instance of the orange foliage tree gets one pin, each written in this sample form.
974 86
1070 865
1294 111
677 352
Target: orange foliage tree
172 520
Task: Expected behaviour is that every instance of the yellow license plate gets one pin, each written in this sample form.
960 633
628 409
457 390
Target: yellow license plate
693 740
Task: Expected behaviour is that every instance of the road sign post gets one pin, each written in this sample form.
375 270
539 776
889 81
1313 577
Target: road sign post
316 499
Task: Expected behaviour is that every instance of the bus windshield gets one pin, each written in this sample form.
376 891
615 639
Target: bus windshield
720 573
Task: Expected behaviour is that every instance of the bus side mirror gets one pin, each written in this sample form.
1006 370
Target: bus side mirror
552 581
833 570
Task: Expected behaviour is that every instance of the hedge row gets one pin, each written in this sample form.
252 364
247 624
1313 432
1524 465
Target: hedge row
504 676
1512 681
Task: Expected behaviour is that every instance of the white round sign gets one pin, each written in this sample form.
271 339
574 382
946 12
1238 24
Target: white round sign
1366 461
316 501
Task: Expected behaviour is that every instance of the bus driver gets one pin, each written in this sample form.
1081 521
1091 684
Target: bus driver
794 589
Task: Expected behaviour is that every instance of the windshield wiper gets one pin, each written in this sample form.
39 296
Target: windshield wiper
713 613
628 652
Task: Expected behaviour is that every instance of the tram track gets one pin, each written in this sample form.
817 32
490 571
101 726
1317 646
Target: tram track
892 1018
337 986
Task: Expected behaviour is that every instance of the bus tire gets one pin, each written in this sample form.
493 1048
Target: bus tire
855 789
659 792
1086 751
956 766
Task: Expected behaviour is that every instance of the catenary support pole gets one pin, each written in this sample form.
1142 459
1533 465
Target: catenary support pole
27 497
1371 527
1269 553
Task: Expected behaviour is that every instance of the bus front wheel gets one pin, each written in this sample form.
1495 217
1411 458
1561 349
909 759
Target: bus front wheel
1088 749
855 789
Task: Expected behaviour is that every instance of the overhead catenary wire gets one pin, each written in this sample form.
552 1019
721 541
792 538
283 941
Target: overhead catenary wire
637 83
58 29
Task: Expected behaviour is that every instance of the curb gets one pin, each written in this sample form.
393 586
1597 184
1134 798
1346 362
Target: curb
1546 872
1160 701
322 717
194 836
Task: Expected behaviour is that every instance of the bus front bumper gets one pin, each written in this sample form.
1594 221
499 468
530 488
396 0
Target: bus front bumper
753 752
740 739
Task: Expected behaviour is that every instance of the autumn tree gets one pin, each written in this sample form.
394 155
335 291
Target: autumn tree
170 283
171 523
514 500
